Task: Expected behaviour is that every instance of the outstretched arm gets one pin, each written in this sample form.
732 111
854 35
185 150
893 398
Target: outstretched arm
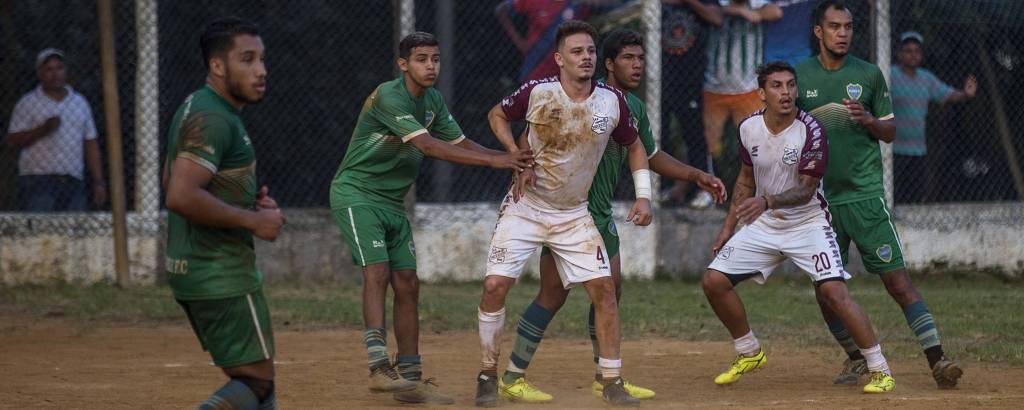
435 148
667 166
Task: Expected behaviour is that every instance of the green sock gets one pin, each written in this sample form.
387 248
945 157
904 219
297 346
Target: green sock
920 321
233 395
845 340
409 367
529 333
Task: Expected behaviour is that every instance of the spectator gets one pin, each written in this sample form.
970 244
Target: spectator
790 39
913 88
684 25
53 127
730 85
543 18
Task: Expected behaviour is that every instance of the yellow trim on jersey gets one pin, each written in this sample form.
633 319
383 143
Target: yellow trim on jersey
457 140
888 117
198 160
410 135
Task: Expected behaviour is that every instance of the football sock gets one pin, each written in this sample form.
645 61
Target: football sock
233 395
376 347
845 340
529 333
876 362
747 345
409 367
921 322
490 339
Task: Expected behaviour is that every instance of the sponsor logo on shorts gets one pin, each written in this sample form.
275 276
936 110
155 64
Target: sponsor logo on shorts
412 249
600 124
789 155
724 253
884 253
378 243
498 254
611 228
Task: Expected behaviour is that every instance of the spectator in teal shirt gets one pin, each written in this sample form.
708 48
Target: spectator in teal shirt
913 88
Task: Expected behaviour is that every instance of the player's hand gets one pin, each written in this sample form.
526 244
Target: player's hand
516 161
266 223
857 112
99 194
51 124
720 241
971 86
713 186
525 179
640 213
751 208
264 201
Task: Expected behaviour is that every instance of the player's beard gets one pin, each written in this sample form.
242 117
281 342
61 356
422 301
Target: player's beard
237 90
835 55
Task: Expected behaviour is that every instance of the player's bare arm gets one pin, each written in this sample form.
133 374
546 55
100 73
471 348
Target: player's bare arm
501 126
767 13
882 130
526 178
742 192
187 196
640 213
435 148
798 195
475 147
667 166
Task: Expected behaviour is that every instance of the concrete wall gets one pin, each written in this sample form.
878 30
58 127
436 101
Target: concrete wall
452 243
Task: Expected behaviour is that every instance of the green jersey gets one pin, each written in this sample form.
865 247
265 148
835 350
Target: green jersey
206 262
381 164
855 173
610 168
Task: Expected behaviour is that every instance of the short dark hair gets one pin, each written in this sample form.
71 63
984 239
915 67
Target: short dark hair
764 70
824 6
618 40
219 36
570 27
413 40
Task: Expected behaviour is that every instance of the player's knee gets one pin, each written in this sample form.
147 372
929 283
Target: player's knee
715 283
407 279
551 300
377 276
901 289
836 297
495 287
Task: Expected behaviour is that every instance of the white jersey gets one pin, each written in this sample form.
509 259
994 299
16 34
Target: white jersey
568 138
779 160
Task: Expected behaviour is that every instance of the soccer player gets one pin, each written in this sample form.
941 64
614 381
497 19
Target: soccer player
778 195
401 121
215 209
571 118
623 56
851 98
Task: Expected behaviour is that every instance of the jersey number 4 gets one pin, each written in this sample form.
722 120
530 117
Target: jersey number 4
600 255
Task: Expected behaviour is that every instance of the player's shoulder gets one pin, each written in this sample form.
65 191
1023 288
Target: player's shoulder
863 65
807 64
747 126
807 119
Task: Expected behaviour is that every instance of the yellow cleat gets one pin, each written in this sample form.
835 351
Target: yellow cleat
880 383
741 366
522 391
633 390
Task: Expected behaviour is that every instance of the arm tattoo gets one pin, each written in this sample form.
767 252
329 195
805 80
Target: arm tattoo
797 195
740 192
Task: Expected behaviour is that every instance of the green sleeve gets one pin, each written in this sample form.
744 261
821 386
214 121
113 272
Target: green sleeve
881 105
638 110
203 139
444 126
396 114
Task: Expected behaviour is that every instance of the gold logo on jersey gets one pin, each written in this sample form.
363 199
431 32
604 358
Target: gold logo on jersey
854 91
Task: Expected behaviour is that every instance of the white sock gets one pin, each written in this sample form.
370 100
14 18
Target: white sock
747 344
876 362
610 369
490 337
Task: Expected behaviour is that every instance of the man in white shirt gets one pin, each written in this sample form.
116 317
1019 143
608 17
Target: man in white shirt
52 125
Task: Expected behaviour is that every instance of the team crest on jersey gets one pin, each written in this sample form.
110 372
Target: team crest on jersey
789 155
600 124
428 119
612 229
854 91
884 253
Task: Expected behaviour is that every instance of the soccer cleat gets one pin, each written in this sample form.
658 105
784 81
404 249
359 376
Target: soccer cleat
486 390
946 373
741 366
880 383
425 392
385 379
522 391
852 371
633 390
615 394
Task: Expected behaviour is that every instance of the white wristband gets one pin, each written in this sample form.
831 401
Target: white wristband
642 183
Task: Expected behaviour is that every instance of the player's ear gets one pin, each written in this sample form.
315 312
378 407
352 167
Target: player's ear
761 94
403 64
818 33
218 66
558 59
608 64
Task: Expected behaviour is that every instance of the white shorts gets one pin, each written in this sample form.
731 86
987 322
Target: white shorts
574 240
757 249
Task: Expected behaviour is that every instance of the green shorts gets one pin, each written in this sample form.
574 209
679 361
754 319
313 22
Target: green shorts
609 233
868 224
376 236
236 331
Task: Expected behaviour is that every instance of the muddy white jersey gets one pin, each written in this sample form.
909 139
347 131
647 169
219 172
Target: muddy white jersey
779 160
568 137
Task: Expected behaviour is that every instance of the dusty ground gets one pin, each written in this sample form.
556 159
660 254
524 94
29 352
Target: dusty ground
54 364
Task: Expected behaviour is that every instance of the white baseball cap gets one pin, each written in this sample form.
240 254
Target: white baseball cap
46 54
911 35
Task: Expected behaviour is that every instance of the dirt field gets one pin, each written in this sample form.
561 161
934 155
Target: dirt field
52 364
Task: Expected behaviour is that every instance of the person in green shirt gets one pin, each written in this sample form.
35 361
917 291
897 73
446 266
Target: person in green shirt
850 98
623 52
401 121
215 209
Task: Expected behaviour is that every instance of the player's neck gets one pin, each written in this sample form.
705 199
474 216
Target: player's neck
221 89
831 61
615 84
577 90
56 93
414 89
908 70
777 122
